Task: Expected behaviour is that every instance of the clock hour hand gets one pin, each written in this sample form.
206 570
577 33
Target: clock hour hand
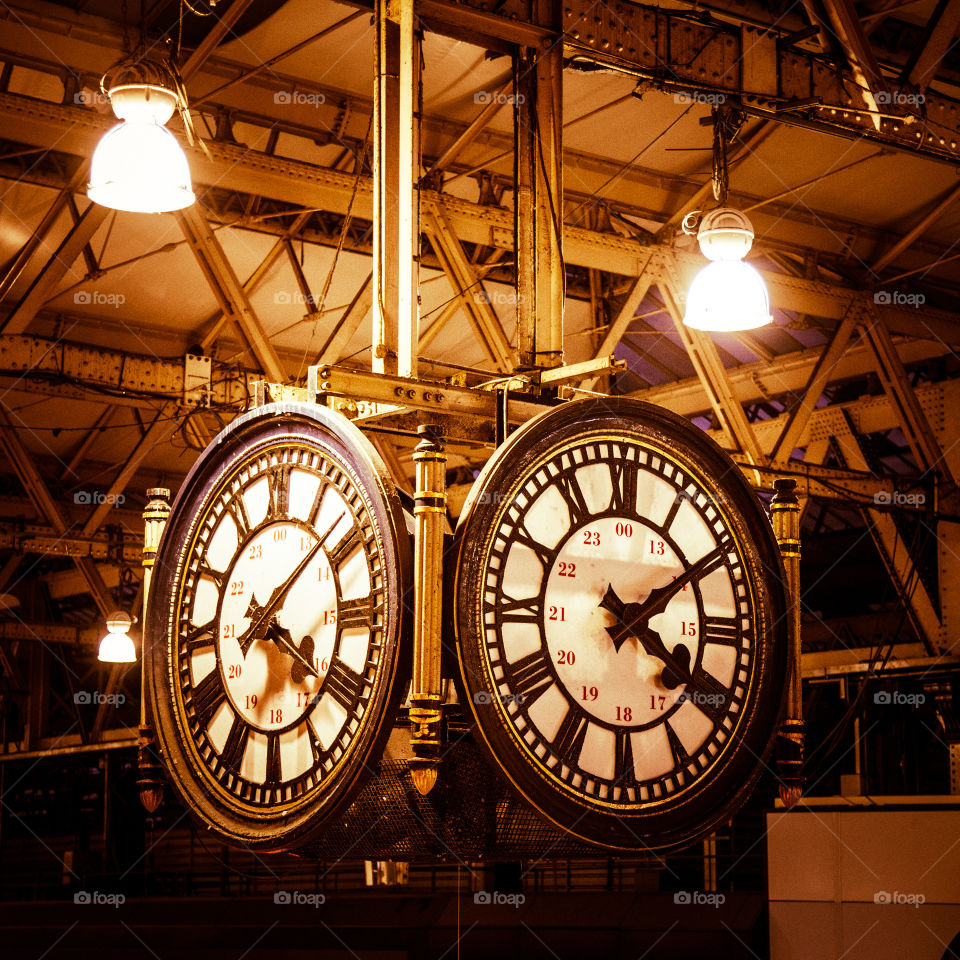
620 632
263 614
282 638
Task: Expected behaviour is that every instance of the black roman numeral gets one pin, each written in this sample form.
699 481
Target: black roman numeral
344 684
278 491
233 750
623 772
674 507
623 476
207 696
680 756
273 759
238 511
530 675
356 613
724 630
348 543
318 501
543 553
568 742
520 611
199 637
204 570
573 497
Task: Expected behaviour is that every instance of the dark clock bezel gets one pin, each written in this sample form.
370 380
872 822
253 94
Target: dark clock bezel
722 789
269 425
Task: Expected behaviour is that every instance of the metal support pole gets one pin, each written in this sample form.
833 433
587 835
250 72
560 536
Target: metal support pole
538 211
426 693
150 781
396 175
785 513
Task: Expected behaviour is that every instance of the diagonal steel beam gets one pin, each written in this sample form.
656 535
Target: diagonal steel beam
713 376
819 377
464 279
928 57
44 285
893 375
164 425
912 235
228 289
218 32
40 234
207 333
36 489
349 323
890 545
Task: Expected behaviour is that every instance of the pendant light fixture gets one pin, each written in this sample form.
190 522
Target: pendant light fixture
727 294
116 646
139 165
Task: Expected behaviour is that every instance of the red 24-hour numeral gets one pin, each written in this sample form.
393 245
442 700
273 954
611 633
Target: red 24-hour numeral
567 569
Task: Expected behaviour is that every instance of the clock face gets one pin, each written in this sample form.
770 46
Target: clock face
276 609
618 631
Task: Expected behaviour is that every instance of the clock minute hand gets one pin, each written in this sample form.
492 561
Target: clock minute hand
266 612
659 597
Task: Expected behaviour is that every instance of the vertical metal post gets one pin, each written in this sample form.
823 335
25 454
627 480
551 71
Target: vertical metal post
150 781
425 693
396 175
538 211
785 513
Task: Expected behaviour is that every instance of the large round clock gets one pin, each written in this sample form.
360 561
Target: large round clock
620 622
273 643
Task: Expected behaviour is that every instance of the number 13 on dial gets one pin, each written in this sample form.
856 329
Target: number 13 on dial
623 610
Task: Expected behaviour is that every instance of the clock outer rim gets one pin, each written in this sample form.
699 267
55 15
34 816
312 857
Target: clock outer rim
267 831
534 439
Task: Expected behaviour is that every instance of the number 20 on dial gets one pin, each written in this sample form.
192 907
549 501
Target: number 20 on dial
623 610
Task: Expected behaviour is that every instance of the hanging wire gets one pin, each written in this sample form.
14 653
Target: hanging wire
727 122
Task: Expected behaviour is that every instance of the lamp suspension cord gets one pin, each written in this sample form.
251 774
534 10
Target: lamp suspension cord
720 171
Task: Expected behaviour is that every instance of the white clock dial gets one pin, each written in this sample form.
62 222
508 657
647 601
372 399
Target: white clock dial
272 644
618 619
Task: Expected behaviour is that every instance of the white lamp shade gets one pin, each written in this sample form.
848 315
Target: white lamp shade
727 295
117 648
139 166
